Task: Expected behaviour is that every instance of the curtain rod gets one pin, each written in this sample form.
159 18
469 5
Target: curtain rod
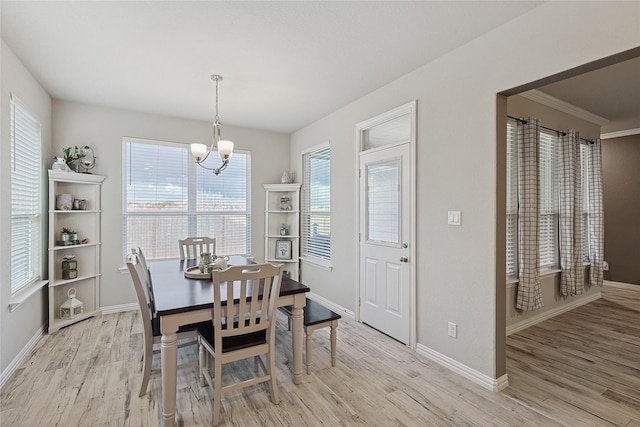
524 122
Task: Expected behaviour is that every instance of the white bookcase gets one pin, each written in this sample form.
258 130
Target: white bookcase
86 222
274 217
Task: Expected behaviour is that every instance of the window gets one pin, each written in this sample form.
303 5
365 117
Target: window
585 170
26 244
168 197
512 197
548 200
316 205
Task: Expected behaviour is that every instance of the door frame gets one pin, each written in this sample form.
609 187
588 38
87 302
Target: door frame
408 108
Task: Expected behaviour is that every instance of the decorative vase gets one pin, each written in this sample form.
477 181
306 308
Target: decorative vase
287 177
64 202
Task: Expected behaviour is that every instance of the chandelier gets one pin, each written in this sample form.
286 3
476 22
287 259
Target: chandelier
224 147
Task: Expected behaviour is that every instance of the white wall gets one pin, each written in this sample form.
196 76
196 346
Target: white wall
456 273
104 128
19 326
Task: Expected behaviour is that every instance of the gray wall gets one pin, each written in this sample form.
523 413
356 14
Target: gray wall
17 328
104 128
458 273
621 177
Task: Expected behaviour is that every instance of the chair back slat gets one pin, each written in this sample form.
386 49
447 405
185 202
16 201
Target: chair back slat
192 247
246 312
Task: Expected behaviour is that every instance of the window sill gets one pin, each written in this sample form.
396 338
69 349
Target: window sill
23 294
320 263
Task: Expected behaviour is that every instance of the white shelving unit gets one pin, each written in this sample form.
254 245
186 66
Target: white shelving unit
274 217
87 223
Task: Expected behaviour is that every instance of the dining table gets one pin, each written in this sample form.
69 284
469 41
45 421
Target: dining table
181 300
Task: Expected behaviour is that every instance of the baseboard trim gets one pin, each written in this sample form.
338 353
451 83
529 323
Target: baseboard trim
493 384
519 326
622 285
331 305
20 357
119 308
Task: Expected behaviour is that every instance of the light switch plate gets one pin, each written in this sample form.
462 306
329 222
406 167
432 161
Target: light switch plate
454 217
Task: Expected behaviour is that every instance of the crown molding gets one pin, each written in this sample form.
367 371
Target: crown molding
560 105
620 133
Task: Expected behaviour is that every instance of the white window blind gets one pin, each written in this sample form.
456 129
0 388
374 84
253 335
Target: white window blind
548 200
512 197
168 197
383 202
26 245
584 176
316 203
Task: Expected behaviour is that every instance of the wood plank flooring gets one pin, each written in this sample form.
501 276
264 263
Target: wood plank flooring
581 368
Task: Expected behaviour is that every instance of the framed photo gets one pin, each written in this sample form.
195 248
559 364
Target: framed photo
283 249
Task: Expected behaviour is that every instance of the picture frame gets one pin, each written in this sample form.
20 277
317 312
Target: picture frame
283 249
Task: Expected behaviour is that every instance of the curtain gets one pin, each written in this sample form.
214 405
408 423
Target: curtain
529 294
596 213
570 215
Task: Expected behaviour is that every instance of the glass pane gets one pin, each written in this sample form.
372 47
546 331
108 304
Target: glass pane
383 202
157 234
395 130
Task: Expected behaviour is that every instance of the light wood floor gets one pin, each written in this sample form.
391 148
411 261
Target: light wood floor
580 368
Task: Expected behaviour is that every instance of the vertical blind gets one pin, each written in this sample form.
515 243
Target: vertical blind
25 198
316 203
168 197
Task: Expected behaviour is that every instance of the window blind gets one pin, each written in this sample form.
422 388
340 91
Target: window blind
168 197
512 197
584 176
26 244
316 203
548 200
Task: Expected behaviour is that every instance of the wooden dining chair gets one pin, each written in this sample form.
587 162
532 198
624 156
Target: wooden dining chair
151 323
243 329
192 247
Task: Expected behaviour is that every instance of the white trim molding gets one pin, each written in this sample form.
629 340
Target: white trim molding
21 357
620 133
560 105
331 305
119 308
517 327
485 381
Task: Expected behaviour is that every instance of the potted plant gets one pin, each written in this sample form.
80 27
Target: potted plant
72 156
69 235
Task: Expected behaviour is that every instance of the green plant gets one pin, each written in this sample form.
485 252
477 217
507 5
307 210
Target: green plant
72 154
67 230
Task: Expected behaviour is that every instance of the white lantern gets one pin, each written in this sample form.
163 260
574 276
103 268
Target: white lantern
72 307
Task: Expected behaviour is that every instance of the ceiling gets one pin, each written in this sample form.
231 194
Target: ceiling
284 64
612 93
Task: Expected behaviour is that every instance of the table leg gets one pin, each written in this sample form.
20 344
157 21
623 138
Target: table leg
297 318
169 356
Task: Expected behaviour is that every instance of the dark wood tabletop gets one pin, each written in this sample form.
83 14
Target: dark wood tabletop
175 293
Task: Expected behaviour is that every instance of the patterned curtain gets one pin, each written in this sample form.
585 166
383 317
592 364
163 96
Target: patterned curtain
596 215
570 215
529 294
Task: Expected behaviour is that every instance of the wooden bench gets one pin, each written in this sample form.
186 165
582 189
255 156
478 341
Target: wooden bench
316 316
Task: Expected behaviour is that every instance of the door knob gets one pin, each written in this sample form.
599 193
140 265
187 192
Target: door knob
404 259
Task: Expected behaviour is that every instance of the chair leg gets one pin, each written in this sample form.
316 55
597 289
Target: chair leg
334 330
217 391
309 350
202 362
147 359
271 363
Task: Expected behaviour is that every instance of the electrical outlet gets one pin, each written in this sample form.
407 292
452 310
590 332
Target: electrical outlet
452 331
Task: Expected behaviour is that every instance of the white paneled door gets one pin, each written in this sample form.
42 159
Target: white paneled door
384 240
